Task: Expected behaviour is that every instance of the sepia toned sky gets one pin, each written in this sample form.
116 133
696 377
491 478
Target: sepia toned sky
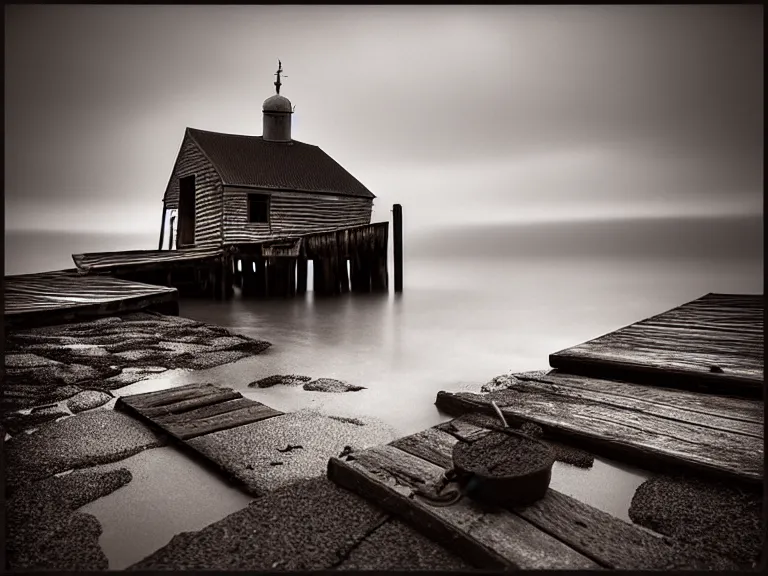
465 115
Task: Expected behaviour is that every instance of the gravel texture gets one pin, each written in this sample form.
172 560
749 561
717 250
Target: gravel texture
254 454
499 455
80 441
711 515
310 525
43 530
88 400
397 546
331 385
277 379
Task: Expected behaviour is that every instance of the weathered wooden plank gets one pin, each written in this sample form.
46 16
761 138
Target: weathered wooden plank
51 297
495 539
432 445
194 425
196 401
623 434
609 541
195 409
676 411
715 342
732 408
168 396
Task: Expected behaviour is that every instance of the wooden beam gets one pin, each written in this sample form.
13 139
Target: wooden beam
397 230
162 229
301 275
631 435
343 275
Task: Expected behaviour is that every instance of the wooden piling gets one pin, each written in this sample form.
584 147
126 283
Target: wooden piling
301 276
397 230
247 277
291 277
170 234
262 281
318 280
343 275
379 275
361 274
162 229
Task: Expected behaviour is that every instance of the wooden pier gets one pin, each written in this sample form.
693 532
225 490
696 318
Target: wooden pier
66 295
714 343
556 532
350 259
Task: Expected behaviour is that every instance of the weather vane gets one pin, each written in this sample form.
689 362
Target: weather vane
279 71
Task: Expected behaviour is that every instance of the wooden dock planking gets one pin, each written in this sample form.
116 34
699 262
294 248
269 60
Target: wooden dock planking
61 296
605 539
622 422
133 260
494 540
680 347
189 411
554 532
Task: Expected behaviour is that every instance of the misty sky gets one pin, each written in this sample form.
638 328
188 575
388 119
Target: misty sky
482 114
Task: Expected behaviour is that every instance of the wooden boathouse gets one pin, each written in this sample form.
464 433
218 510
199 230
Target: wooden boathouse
252 211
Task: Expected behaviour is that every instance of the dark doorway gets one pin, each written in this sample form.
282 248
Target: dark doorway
186 211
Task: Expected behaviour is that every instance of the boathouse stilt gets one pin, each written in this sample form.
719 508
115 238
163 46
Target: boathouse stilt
162 228
343 275
379 279
262 282
397 232
301 276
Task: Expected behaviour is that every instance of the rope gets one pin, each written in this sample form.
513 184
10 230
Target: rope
436 495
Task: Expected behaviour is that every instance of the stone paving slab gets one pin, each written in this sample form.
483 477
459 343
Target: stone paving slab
80 441
258 454
44 531
397 546
309 525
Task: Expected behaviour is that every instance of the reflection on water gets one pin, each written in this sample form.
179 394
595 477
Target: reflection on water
607 485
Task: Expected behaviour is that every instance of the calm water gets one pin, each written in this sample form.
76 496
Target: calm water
459 322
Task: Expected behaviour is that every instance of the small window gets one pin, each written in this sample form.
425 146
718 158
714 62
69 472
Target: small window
258 208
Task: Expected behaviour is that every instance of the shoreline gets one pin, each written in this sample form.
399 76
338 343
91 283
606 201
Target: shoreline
65 443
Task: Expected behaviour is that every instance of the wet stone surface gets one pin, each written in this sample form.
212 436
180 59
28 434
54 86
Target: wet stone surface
256 454
277 379
16 422
710 515
88 400
331 385
404 549
43 529
309 525
97 354
80 441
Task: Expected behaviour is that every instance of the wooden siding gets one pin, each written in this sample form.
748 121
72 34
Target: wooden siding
208 193
291 214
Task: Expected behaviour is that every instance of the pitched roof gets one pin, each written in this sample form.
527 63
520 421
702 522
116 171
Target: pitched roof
254 162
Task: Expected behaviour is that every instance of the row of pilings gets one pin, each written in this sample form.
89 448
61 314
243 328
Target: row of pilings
350 260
